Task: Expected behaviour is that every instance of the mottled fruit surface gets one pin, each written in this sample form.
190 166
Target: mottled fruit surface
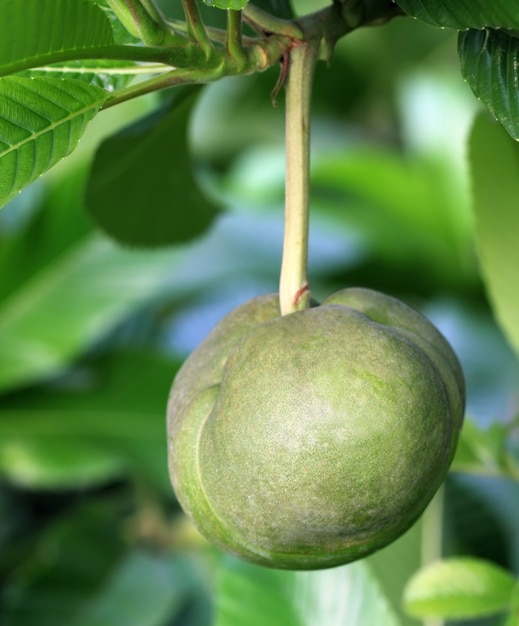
313 439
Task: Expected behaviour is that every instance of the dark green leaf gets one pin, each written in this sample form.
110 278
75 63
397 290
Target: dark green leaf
461 14
42 121
70 562
459 588
141 189
144 590
83 573
38 30
494 161
279 8
478 511
490 65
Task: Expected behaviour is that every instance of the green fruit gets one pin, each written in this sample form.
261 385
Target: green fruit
313 439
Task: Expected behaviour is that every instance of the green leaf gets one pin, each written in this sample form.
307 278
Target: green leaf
386 214
38 30
490 65
483 451
103 420
144 590
494 162
56 463
257 596
141 189
513 619
81 548
394 565
279 8
82 572
72 302
42 121
461 14
459 588
236 5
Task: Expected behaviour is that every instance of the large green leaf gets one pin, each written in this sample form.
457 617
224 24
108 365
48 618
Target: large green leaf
386 214
494 161
141 189
459 588
34 31
42 121
71 303
490 65
365 592
461 14
259 597
104 419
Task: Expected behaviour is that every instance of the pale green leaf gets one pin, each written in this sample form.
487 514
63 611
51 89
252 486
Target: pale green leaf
106 74
72 302
41 122
257 596
494 161
57 462
459 588
461 14
490 65
38 30
395 564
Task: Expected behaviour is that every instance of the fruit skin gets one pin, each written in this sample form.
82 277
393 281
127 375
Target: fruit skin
313 439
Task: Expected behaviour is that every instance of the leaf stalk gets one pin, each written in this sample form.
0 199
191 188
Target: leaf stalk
143 20
196 27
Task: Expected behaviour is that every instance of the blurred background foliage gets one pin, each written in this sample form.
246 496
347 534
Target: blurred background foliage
92 333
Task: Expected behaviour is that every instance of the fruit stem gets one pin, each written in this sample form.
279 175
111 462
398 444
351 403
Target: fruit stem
294 294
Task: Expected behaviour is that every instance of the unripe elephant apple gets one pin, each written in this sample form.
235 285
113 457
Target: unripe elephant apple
313 439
